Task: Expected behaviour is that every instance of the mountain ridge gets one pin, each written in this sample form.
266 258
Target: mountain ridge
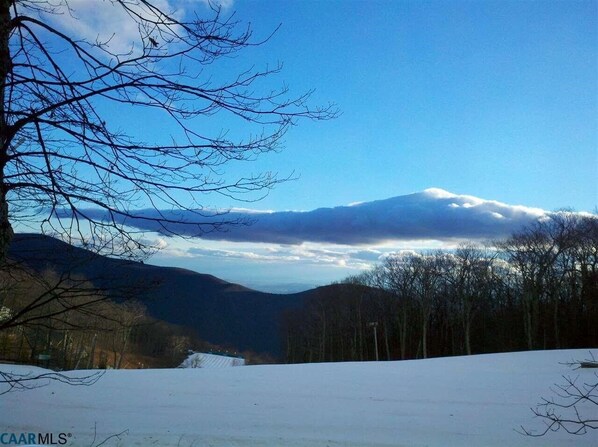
221 312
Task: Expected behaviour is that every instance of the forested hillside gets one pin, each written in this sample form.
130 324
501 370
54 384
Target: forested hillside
215 311
536 290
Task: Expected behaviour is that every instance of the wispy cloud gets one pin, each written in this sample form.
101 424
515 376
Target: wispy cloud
304 254
433 214
105 22
224 4
109 22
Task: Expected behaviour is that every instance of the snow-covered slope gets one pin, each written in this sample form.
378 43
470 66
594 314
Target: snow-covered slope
204 360
459 401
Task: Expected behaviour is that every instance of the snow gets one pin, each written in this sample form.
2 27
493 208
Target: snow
456 401
204 360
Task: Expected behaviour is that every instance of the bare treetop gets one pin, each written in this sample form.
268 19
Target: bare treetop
61 150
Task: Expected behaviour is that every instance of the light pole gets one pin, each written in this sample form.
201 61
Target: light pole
374 325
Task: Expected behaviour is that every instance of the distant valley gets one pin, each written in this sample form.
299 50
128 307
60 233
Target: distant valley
220 312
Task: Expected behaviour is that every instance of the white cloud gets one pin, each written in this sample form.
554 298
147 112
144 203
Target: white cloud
224 4
299 255
104 22
366 255
433 214
438 193
160 244
109 22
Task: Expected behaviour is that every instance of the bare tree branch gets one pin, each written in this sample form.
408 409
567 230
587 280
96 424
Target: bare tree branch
573 409
57 93
10 382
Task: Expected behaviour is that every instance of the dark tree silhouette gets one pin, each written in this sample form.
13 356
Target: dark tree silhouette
537 288
62 151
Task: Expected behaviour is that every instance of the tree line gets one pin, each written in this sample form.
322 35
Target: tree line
537 289
64 322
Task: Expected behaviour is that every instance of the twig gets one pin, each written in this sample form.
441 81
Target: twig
22 382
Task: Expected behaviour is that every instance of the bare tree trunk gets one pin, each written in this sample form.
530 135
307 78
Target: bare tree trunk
403 331
555 319
467 329
6 232
360 323
425 338
289 349
528 320
21 343
323 338
65 347
467 334
386 342
354 345
92 352
79 352
123 350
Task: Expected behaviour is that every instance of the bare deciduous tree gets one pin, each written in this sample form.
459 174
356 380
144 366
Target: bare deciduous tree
544 255
62 150
399 279
471 279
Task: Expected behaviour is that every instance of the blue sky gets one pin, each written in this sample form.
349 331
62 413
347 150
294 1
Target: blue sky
495 100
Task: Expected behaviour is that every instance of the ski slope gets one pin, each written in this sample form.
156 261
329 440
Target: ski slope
457 401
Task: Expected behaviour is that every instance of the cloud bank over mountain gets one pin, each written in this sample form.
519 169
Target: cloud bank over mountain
431 214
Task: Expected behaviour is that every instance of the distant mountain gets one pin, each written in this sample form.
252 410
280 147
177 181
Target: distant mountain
222 313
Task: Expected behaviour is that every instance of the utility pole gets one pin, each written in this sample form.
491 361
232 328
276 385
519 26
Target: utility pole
374 325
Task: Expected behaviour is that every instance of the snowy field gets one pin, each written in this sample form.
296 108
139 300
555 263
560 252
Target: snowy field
459 401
